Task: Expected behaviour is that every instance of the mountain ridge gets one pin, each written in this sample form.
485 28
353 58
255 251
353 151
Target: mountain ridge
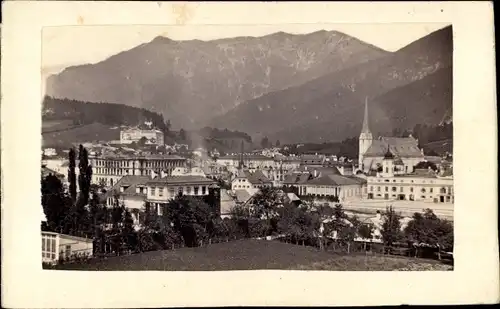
191 81
311 106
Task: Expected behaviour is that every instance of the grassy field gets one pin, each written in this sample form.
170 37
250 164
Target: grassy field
253 255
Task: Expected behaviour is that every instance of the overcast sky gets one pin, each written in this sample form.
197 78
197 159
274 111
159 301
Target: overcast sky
73 45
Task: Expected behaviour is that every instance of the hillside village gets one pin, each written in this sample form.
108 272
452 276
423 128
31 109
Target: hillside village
126 182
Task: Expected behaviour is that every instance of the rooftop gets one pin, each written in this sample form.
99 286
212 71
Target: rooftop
402 147
336 180
131 182
181 180
256 177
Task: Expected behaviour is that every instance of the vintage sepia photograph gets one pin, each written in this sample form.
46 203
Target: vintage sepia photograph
288 147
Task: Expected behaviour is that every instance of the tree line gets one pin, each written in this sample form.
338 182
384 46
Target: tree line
105 113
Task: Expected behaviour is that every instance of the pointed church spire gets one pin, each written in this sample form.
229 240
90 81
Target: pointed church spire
365 128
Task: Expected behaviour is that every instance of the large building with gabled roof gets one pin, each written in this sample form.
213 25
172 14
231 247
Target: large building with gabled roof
372 151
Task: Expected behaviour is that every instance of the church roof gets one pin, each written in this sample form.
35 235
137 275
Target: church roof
365 128
402 147
388 154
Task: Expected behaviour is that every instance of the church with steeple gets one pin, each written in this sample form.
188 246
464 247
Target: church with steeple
403 150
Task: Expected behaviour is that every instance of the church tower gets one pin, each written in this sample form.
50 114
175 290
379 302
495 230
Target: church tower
365 138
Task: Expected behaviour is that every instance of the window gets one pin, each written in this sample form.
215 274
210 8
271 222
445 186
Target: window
430 190
196 190
188 190
423 196
387 170
401 189
411 189
378 189
171 191
153 191
203 190
371 188
160 191
423 190
394 189
386 189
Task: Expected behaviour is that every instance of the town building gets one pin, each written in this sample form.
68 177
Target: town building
131 192
151 136
421 185
108 168
274 168
57 246
250 181
325 182
372 151
161 189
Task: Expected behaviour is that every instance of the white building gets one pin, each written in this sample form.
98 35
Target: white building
251 182
108 168
421 185
57 246
152 136
161 189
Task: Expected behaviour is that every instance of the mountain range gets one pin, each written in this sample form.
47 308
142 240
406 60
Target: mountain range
294 88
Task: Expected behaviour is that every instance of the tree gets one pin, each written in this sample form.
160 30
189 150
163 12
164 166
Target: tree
85 176
429 230
72 174
56 204
168 126
391 227
426 165
142 141
264 205
182 134
190 217
365 230
264 142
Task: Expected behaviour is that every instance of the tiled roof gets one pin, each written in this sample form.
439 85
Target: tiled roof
113 155
242 196
131 182
296 178
335 180
402 147
47 171
181 179
256 177
246 157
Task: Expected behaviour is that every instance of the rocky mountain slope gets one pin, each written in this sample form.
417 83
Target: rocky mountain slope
190 82
412 85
